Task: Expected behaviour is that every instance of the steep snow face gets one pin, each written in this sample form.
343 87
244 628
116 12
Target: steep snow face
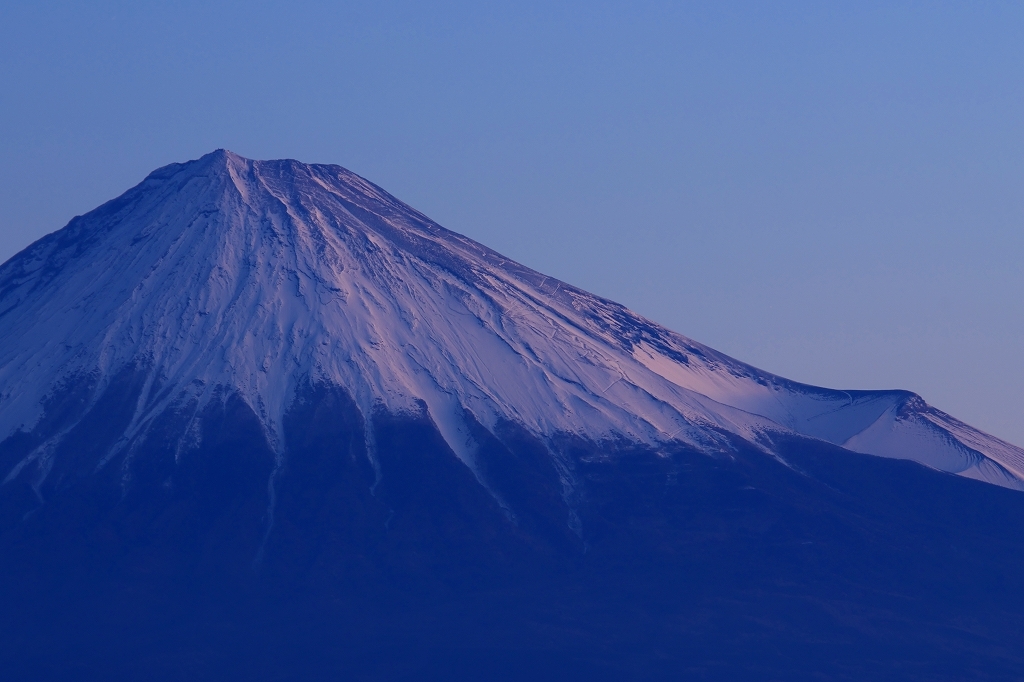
261 277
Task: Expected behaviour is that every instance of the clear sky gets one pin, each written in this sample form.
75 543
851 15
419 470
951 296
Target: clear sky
830 191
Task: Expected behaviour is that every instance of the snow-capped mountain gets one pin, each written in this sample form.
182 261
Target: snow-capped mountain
255 278
263 420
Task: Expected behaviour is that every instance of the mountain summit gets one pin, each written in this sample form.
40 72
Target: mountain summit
260 419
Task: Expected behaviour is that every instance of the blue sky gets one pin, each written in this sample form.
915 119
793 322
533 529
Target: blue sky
829 191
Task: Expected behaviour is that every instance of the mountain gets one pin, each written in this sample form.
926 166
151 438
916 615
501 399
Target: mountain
265 392
255 278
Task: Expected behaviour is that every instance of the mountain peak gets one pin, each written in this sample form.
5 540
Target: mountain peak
257 278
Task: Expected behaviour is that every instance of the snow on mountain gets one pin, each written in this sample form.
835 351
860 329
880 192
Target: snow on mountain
259 277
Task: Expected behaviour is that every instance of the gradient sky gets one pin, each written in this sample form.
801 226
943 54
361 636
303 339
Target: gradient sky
829 191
